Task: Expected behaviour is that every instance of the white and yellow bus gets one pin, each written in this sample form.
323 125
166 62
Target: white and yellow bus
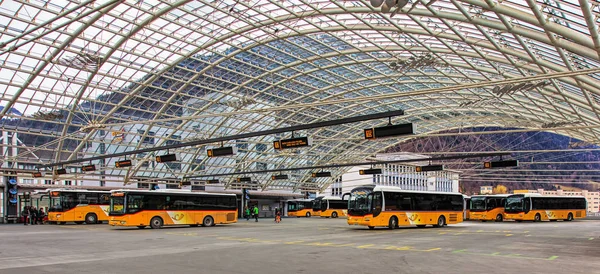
487 207
331 206
78 206
300 208
158 208
535 207
384 206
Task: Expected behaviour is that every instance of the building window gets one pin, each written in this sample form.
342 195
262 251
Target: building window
143 185
48 182
196 166
261 147
241 144
172 186
199 188
149 139
173 165
28 181
175 140
145 163
261 166
67 183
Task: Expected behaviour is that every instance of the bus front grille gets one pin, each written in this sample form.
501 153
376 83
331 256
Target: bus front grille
453 217
230 217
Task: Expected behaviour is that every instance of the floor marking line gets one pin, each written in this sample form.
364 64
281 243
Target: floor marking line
498 254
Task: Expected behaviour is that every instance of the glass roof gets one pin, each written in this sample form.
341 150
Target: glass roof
80 79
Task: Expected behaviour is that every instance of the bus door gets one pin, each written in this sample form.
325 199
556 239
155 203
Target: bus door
377 203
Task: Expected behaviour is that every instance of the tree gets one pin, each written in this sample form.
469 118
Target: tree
500 189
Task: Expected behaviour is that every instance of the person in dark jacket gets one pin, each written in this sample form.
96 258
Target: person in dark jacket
25 214
33 215
41 215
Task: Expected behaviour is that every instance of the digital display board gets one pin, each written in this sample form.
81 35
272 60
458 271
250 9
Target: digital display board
429 168
389 131
124 163
292 143
88 168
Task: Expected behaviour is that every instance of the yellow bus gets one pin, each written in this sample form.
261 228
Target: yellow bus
487 207
300 208
537 208
158 208
78 206
376 206
331 206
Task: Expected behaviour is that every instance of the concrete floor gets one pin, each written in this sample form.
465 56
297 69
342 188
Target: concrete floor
312 245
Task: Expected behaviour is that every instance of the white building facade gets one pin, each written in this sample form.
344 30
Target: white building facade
400 175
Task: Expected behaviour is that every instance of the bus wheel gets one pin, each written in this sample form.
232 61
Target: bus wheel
208 221
334 215
538 218
156 223
499 218
141 226
91 218
79 222
307 214
441 221
371 227
393 223
570 217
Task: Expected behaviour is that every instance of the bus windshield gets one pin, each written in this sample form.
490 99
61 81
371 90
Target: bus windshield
116 205
478 204
514 204
324 205
359 203
317 205
292 206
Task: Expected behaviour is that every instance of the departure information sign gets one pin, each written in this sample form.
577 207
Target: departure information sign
292 143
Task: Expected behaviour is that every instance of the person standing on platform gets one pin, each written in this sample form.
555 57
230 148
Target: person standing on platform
33 215
25 214
247 213
255 212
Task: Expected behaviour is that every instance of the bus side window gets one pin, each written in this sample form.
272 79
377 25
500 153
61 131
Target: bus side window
405 202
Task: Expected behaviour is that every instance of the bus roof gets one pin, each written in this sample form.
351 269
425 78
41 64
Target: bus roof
170 191
76 190
492 195
331 198
300 200
544 196
397 189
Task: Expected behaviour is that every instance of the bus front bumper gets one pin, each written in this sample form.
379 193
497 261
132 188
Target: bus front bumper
54 217
478 217
117 222
514 216
359 220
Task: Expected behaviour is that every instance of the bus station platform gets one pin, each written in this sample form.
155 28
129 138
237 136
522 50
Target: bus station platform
304 245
